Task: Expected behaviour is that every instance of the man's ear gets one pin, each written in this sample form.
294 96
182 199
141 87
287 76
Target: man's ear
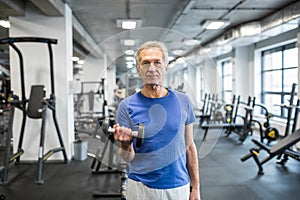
167 67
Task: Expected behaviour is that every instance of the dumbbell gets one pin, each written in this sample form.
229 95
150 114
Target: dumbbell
139 135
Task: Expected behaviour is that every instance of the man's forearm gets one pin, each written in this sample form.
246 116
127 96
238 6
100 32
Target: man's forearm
192 166
127 152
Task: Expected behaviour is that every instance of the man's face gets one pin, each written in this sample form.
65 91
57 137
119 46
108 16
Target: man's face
152 67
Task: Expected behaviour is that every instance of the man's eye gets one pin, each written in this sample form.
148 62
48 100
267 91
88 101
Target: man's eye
157 63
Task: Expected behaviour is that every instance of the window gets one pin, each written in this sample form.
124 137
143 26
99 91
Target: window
227 80
279 72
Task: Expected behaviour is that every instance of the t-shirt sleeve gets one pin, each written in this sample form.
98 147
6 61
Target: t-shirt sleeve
122 114
190 112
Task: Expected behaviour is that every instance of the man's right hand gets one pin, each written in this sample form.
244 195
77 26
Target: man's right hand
123 135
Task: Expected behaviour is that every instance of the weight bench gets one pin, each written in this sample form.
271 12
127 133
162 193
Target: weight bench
281 148
228 127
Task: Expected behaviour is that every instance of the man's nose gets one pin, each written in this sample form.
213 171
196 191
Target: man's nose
152 67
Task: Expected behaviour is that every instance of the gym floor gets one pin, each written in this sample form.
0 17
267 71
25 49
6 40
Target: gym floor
222 174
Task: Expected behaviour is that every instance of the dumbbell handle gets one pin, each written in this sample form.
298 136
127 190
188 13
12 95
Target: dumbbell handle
133 133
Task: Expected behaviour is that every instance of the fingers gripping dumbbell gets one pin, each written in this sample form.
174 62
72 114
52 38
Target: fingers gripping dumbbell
139 134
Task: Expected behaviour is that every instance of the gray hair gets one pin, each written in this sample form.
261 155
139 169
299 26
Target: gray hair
151 44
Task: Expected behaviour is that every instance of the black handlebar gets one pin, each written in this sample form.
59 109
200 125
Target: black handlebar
27 39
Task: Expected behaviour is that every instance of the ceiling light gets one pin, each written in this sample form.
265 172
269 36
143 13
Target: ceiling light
80 62
129 65
75 59
170 58
214 24
178 52
129 58
5 23
129 23
180 60
129 42
191 42
129 52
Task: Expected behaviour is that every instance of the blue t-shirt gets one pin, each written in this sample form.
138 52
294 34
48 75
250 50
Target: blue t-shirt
160 162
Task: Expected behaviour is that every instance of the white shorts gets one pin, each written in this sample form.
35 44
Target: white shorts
138 191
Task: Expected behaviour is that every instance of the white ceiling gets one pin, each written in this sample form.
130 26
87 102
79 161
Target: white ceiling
171 21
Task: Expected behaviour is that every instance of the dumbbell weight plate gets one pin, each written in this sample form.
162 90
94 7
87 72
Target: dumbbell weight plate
105 126
140 136
271 134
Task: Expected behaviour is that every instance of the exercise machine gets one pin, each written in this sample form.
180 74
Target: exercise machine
231 110
204 104
242 129
97 163
211 109
35 107
204 116
266 131
90 95
216 110
281 147
86 122
98 157
4 108
289 108
123 171
4 113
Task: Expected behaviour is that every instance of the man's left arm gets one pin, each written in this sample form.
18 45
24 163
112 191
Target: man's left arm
192 162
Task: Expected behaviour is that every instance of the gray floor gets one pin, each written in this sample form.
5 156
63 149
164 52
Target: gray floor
222 174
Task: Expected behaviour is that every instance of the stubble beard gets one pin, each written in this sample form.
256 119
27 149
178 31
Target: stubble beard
153 86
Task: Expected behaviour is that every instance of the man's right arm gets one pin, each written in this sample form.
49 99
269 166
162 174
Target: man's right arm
127 152
123 134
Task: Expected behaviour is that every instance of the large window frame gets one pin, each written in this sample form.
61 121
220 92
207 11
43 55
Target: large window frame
279 70
227 77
